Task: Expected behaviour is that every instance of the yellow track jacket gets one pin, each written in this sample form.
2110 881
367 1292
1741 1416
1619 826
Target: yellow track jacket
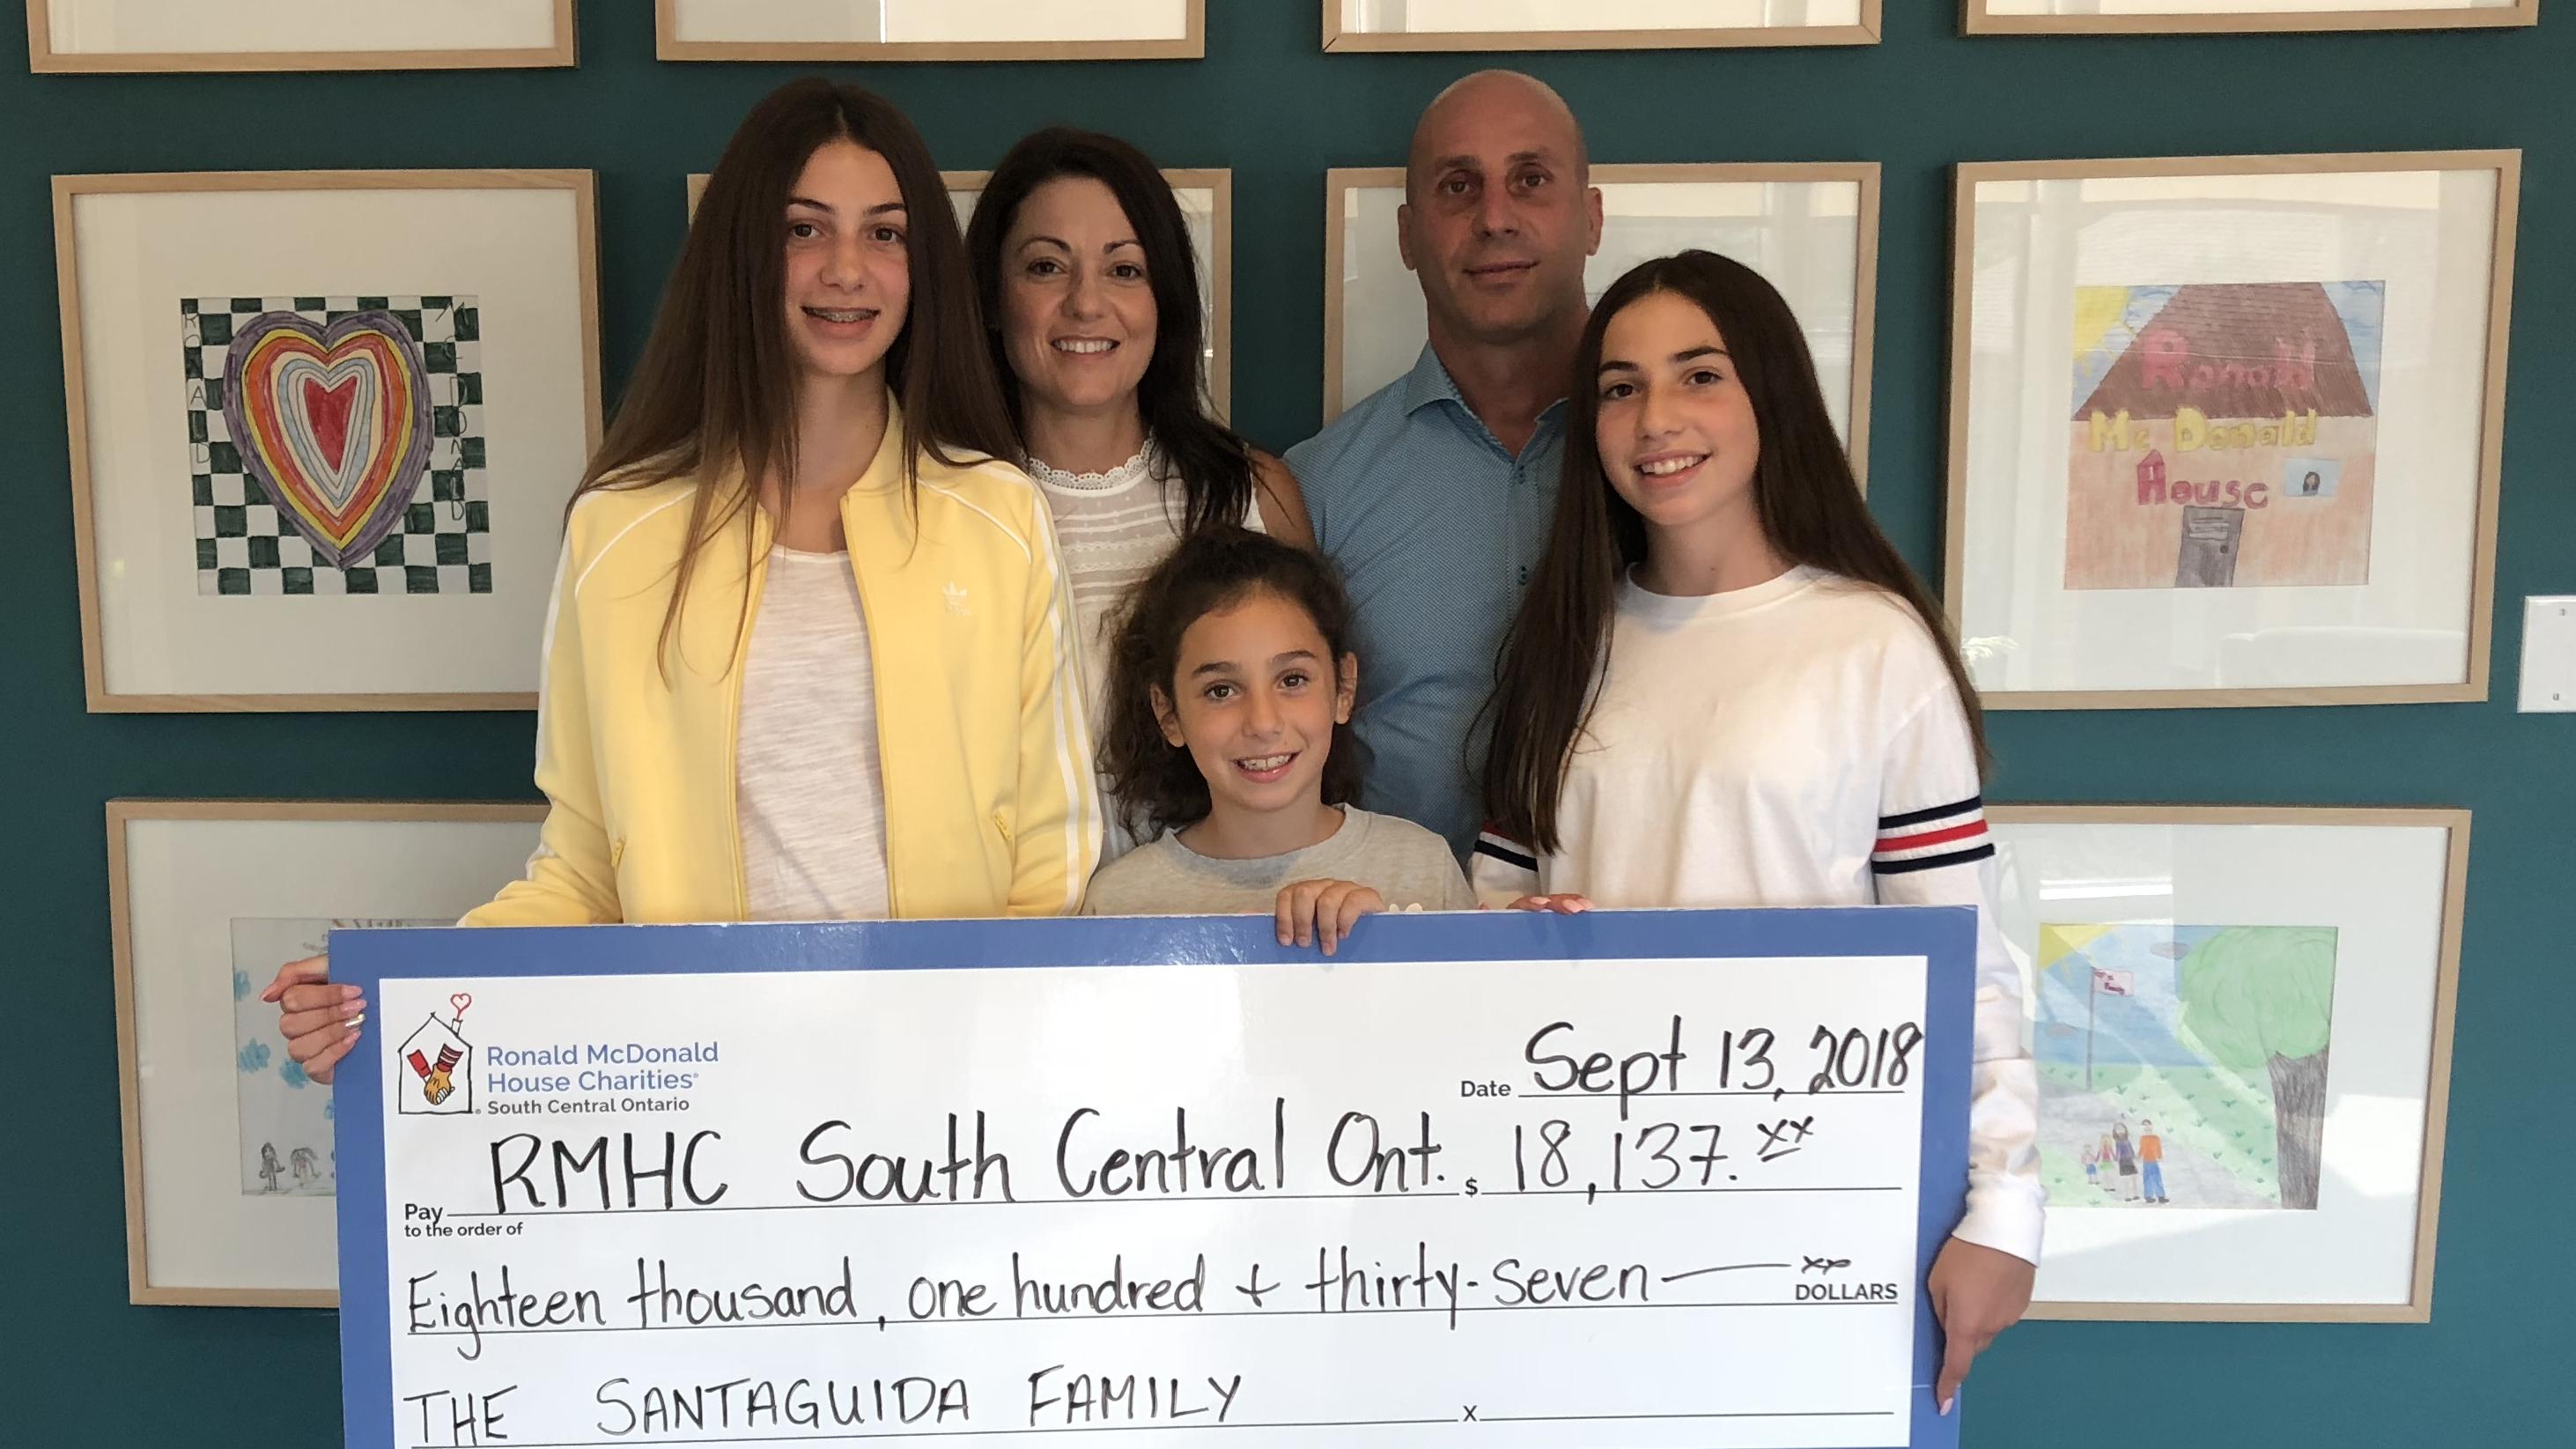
990 803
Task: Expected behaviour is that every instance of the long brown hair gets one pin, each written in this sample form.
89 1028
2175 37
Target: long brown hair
1213 463
1158 783
714 395
1803 490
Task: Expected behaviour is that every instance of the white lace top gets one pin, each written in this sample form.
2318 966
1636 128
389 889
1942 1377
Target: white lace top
1114 529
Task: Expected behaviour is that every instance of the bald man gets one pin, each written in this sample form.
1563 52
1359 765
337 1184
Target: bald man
1434 493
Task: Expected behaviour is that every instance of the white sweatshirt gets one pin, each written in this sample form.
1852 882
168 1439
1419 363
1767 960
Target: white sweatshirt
1797 743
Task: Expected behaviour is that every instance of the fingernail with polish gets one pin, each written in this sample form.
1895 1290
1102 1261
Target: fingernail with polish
355 1021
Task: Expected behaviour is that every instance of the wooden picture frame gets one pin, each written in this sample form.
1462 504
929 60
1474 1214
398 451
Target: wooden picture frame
668 45
1341 184
118 441
1980 18
152 1014
1340 39
2261 180
2416 1234
44 58
1216 272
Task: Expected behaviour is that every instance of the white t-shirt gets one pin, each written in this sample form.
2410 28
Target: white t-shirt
1410 868
1797 743
809 783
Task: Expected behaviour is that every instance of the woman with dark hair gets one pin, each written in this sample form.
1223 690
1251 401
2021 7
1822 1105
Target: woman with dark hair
1725 688
810 655
1091 299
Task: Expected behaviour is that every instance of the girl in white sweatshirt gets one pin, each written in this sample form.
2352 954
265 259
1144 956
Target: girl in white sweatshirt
1725 688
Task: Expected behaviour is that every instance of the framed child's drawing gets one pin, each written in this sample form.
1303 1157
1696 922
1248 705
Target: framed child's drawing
247 35
1206 196
2175 17
1363 25
2241 1024
229 1168
2228 430
323 425
884 30
1811 229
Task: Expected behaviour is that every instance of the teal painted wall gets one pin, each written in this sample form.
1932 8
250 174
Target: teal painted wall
81 1367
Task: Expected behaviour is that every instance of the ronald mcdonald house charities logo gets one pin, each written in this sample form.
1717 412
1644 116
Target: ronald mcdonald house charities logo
434 1067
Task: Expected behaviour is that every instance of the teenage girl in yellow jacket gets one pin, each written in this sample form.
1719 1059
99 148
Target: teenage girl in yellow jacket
810 652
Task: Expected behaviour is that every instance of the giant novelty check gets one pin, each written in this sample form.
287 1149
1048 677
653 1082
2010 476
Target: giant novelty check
1652 1178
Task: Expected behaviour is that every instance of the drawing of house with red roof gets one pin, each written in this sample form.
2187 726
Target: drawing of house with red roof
2224 435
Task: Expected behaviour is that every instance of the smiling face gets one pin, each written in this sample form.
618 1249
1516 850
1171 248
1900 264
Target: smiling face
1255 696
1675 427
1497 217
1077 303
849 276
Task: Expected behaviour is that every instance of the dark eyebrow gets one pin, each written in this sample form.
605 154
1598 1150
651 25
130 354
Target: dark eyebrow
1687 354
1225 666
1456 162
1067 247
880 209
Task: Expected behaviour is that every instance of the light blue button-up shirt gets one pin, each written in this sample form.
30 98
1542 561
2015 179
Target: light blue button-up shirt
1436 528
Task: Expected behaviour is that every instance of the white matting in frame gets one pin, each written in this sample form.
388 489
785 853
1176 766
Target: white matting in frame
1810 229
1360 25
883 30
2227 430
250 35
371 525
2171 17
2257 1003
229 1172
1206 197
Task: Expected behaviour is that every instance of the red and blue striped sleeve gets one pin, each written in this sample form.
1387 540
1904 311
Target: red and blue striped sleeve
1932 837
1933 848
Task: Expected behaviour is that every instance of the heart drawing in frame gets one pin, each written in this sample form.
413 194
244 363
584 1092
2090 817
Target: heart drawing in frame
334 423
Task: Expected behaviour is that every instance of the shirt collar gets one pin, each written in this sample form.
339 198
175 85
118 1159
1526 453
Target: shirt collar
885 471
1429 382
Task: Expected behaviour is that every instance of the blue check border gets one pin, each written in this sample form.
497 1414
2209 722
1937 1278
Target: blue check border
1945 936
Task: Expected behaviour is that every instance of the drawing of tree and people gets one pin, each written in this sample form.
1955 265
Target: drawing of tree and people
2183 1066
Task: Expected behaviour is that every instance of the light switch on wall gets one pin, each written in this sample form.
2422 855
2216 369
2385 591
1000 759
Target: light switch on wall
2548 654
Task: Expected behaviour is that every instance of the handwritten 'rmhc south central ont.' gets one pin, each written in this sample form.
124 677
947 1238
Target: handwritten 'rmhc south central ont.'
534 1173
